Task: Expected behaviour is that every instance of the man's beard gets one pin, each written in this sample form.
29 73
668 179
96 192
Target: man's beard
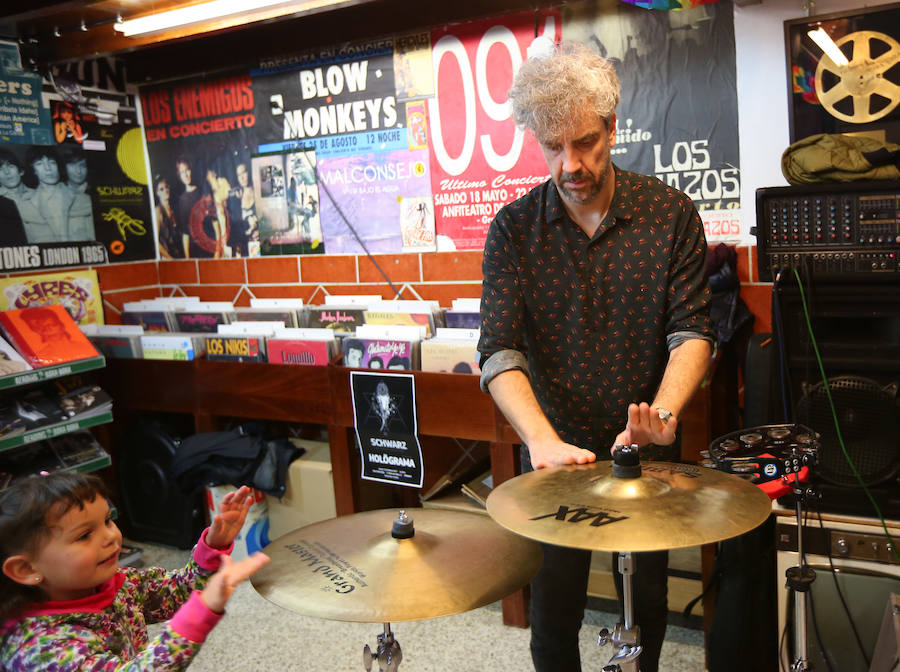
581 197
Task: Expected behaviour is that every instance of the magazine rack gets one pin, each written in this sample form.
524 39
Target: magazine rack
35 376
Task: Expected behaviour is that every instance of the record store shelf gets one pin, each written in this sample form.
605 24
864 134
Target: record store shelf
50 372
54 430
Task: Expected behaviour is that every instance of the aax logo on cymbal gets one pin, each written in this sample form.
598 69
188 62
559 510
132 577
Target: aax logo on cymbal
581 514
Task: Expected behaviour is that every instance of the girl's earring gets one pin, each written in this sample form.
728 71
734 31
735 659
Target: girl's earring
37 578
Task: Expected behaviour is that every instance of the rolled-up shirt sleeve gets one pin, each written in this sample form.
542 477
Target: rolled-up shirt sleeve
500 361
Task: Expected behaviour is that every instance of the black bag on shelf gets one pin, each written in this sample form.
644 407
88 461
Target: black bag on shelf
238 457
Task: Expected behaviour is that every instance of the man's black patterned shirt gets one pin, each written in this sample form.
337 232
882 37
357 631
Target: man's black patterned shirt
592 314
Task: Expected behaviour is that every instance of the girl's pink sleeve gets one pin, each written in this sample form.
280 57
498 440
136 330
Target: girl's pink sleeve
206 556
194 620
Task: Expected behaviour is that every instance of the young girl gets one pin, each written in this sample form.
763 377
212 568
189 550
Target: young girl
66 605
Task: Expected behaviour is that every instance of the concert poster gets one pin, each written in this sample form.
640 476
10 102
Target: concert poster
384 416
82 199
677 117
368 195
200 137
94 112
338 100
480 160
119 192
341 104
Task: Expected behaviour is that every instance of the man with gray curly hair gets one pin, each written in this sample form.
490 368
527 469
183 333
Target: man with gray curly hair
595 322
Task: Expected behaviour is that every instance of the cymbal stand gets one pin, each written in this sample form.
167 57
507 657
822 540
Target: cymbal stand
388 653
799 581
627 636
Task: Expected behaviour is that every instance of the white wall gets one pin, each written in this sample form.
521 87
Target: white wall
762 90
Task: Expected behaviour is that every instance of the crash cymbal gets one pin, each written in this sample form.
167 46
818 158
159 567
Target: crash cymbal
353 569
668 506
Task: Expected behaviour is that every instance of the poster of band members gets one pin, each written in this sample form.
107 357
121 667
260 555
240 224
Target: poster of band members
480 160
82 198
93 106
200 139
384 416
677 118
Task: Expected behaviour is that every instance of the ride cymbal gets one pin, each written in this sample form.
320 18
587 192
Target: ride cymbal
353 569
668 506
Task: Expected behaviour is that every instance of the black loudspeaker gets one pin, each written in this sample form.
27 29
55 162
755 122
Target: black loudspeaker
857 339
154 508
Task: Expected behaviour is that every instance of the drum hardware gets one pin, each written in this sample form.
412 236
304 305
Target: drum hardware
799 582
778 459
380 567
626 636
628 507
388 653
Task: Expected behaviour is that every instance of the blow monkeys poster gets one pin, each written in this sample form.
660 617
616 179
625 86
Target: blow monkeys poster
337 101
341 106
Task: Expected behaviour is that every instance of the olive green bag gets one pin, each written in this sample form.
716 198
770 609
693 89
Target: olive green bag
839 158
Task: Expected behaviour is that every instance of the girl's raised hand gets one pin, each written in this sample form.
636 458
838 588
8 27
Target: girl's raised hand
228 521
221 585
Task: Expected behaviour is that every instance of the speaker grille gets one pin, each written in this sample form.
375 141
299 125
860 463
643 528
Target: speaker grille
869 419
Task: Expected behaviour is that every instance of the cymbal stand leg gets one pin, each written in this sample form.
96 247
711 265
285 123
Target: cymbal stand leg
388 653
799 581
627 636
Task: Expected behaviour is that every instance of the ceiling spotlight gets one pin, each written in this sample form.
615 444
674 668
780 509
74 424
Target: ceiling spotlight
194 14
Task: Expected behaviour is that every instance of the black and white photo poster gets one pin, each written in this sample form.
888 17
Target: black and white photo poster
384 415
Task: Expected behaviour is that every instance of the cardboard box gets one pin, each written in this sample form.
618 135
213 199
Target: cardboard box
309 495
254 535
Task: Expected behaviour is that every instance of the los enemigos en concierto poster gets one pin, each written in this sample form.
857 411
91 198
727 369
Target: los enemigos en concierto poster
407 143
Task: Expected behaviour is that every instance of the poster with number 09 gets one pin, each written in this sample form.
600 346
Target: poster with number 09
480 161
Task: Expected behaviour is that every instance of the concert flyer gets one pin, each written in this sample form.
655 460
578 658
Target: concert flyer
384 415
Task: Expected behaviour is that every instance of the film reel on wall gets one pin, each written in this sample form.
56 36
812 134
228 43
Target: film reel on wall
868 87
